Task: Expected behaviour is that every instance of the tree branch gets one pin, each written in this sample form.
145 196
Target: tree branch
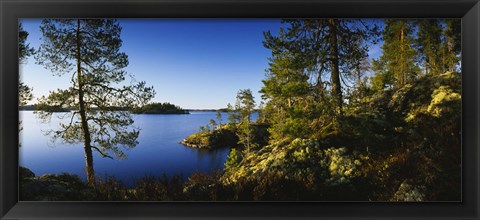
101 153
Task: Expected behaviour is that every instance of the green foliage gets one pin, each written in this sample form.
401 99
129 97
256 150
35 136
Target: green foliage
245 135
213 123
99 65
218 115
68 187
232 161
303 54
429 44
226 136
425 118
381 80
301 170
395 138
24 49
245 104
397 65
315 49
52 187
261 112
233 116
381 153
304 119
285 89
24 94
452 45
222 137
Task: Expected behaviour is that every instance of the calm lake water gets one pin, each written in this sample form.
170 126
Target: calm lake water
157 153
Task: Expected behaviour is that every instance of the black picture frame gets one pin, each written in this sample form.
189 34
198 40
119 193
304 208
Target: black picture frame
12 10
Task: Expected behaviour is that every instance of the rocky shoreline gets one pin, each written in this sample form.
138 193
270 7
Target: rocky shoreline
221 137
192 145
224 136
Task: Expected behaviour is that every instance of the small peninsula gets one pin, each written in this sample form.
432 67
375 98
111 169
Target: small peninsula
159 108
226 135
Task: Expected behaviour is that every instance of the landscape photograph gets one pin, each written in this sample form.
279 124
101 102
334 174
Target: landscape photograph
327 109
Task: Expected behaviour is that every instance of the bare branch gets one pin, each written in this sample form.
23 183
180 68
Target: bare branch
101 153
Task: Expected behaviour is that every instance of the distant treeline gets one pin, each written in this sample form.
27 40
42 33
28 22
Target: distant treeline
47 108
153 108
159 108
216 110
150 106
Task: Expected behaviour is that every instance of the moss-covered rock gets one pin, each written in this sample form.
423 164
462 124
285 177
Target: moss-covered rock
302 169
409 193
52 187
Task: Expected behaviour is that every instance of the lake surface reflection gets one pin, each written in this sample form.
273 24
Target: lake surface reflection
157 153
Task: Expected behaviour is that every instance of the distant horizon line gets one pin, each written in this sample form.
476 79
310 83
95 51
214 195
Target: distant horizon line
188 109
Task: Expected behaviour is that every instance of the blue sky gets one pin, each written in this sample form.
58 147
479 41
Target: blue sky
193 63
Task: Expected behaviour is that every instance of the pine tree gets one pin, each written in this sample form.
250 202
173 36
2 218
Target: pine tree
312 60
219 118
233 116
245 134
285 88
397 65
213 123
24 51
383 78
324 47
232 160
88 51
245 104
429 44
452 44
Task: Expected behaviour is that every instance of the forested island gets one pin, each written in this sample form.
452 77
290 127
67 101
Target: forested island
333 124
159 108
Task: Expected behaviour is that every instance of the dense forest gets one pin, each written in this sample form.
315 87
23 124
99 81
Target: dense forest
333 125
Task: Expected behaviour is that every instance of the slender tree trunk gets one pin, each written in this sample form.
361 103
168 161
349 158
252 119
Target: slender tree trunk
86 132
319 90
335 75
359 75
451 61
402 52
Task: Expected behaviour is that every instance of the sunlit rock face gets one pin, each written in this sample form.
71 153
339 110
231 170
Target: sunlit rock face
409 193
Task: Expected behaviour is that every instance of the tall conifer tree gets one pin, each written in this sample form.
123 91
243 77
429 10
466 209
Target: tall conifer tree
452 44
398 60
325 48
88 50
24 51
429 44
